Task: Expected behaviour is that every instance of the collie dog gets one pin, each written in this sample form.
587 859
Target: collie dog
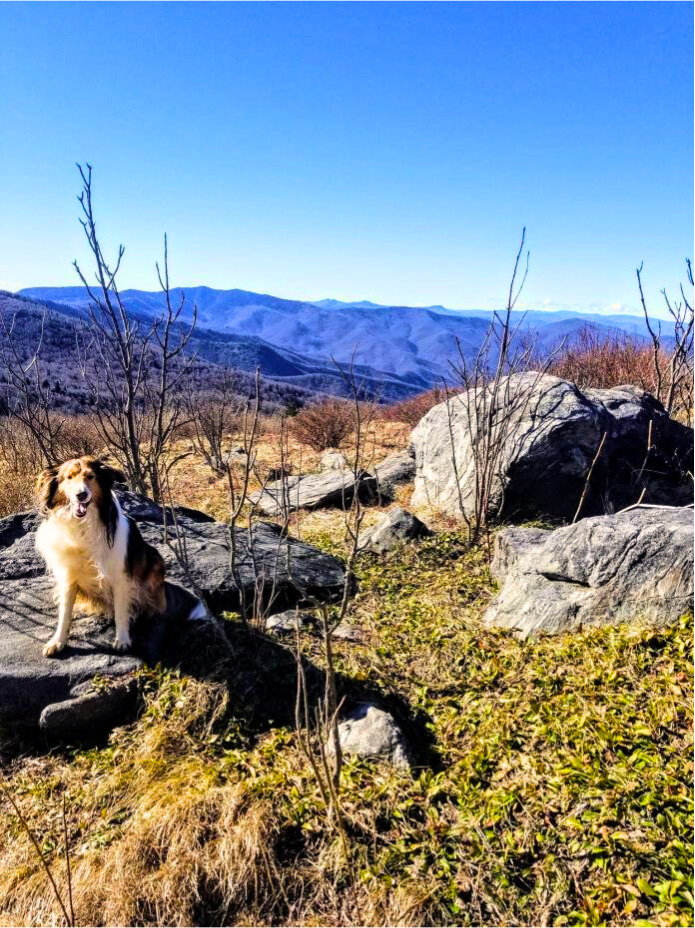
94 551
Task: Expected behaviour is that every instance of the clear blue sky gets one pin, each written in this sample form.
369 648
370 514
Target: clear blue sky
387 151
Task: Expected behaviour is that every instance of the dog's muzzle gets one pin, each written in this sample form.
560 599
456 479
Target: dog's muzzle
80 504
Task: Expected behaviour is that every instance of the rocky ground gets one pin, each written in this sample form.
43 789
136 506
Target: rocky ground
495 774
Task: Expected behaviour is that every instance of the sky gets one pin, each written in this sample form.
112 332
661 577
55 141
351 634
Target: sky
382 151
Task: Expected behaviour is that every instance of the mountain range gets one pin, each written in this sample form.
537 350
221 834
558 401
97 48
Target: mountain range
406 349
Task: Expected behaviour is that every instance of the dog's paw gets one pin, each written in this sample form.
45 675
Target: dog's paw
53 647
122 643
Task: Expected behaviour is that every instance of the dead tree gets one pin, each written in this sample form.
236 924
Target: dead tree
673 370
29 400
135 369
215 417
491 399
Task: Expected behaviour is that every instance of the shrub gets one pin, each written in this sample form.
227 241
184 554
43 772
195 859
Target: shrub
592 361
410 411
325 425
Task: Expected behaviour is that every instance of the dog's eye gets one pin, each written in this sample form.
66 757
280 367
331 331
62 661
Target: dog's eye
89 476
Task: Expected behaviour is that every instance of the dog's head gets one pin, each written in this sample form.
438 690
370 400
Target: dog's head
76 485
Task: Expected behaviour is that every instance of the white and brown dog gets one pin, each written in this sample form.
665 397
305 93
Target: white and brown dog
94 551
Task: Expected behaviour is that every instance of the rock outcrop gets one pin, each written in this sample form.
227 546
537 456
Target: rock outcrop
634 566
58 693
314 491
395 528
549 432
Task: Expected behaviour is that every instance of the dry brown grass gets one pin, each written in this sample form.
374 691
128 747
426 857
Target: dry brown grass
21 460
161 835
195 484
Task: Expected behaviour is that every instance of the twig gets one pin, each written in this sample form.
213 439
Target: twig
67 861
588 478
39 853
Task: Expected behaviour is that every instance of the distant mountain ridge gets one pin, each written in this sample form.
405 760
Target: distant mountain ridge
410 345
279 365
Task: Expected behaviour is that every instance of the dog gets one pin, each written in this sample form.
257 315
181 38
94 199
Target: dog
95 552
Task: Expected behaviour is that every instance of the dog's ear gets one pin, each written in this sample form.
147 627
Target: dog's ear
46 487
107 474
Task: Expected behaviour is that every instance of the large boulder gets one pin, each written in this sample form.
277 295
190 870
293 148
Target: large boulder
548 433
59 693
634 566
334 488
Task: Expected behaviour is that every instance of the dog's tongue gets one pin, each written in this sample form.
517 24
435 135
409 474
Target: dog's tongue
80 510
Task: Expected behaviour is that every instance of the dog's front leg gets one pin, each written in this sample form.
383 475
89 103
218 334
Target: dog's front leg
121 614
66 602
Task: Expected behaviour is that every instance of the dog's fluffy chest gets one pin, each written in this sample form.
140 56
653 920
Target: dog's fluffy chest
79 553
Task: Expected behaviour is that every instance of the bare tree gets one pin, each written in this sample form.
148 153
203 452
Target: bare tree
673 370
491 399
135 369
29 400
324 752
215 417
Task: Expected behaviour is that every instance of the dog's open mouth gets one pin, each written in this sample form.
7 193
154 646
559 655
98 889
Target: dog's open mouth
80 509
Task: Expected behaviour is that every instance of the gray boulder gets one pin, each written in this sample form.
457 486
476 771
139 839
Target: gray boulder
395 528
286 569
58 693
333 460
314 491
548 438
636 566
371 732
396 469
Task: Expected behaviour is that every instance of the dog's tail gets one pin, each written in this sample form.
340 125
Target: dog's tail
182 604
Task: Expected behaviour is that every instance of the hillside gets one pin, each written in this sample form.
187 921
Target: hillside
413 345
284 370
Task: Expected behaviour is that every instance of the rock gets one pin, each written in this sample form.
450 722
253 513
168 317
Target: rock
395 469
277 473
315 491
548 443
333 460
92 708
634 566
347 632
286 622
511 544
286 569
373 733
395 528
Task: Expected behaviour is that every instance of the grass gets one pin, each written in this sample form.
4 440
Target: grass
553 786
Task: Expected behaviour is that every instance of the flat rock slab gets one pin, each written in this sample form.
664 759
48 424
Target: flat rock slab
31 684
314 491
636 566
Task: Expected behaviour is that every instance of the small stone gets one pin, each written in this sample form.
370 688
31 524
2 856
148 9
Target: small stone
286 622
395 528
371 732
333 460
